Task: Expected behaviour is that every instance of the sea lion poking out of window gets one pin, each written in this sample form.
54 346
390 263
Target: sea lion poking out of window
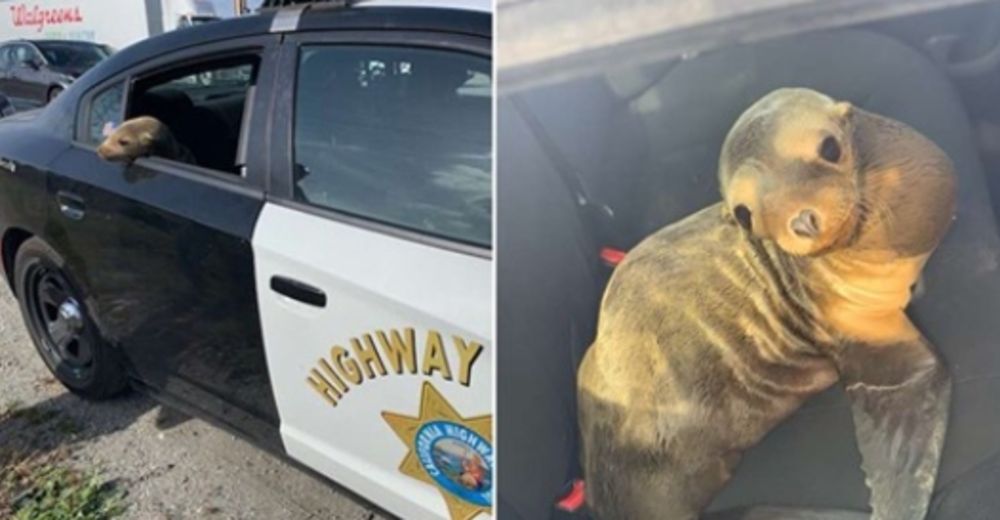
716 328
143 136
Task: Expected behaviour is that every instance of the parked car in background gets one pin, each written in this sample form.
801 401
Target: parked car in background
33 72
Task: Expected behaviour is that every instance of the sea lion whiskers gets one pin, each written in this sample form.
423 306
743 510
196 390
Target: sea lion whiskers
877 213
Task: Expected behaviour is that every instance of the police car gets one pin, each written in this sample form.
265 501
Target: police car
320 280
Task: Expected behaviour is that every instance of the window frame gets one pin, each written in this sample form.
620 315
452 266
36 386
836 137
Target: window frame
283 145
255 117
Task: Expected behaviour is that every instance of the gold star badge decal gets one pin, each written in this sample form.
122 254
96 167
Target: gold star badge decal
448 451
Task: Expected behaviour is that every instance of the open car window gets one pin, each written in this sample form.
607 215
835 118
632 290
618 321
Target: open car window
202 106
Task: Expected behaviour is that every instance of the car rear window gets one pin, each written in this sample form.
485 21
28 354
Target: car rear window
397 135
105 113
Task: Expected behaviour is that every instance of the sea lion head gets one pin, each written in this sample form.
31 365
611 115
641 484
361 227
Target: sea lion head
789 172
132 139
816 175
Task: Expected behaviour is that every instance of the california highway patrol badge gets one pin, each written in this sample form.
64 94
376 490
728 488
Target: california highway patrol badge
448 451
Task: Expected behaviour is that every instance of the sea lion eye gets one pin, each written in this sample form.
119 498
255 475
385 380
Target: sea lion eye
123 142
742 214
829 149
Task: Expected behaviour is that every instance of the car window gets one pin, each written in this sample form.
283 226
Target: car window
24 53
19 53
105 113
5 58
398 135
73 55
202 106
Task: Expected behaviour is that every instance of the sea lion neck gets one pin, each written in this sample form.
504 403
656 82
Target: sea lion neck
841 295
869 282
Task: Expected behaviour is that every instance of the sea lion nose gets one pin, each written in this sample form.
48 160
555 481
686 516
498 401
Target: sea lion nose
743 216
805 224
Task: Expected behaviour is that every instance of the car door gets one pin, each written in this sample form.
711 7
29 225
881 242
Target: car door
373 266
162 248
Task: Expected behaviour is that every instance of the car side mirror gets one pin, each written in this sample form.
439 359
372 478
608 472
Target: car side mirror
33 64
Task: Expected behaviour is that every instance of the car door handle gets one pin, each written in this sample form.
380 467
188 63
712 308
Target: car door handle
70 205
297 290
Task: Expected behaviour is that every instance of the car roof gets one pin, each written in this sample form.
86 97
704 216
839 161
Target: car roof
469 17
80 43
472 5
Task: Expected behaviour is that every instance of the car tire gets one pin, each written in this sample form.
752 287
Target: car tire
63 333
54 92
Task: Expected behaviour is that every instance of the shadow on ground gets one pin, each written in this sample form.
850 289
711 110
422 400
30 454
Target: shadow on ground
36 439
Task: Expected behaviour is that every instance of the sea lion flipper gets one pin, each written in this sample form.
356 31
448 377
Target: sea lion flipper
900 396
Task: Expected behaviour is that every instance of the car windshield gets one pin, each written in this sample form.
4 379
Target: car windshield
74 55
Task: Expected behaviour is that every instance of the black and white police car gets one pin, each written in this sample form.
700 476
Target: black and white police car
320 281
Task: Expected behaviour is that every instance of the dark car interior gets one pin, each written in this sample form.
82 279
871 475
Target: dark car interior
202 105
601 162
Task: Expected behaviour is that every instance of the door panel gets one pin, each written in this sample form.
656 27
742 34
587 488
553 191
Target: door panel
163 248
341 381
373 269
166 263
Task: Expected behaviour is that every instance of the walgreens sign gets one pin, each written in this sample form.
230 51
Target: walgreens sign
118 23
34 15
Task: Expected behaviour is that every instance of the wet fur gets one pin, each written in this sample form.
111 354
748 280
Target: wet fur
709 336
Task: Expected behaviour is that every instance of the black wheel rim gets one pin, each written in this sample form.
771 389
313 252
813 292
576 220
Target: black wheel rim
59 324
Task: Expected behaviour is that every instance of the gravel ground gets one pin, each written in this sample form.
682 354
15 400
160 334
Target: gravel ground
171 467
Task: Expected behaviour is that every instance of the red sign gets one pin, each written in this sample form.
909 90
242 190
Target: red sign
35 15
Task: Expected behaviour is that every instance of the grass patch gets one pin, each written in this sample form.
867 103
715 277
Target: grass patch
60 493
36 480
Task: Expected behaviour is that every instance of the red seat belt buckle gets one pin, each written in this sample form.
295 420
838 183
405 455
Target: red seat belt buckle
611 256
573 500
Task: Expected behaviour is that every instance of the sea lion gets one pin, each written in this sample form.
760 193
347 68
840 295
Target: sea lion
143 136
716 328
